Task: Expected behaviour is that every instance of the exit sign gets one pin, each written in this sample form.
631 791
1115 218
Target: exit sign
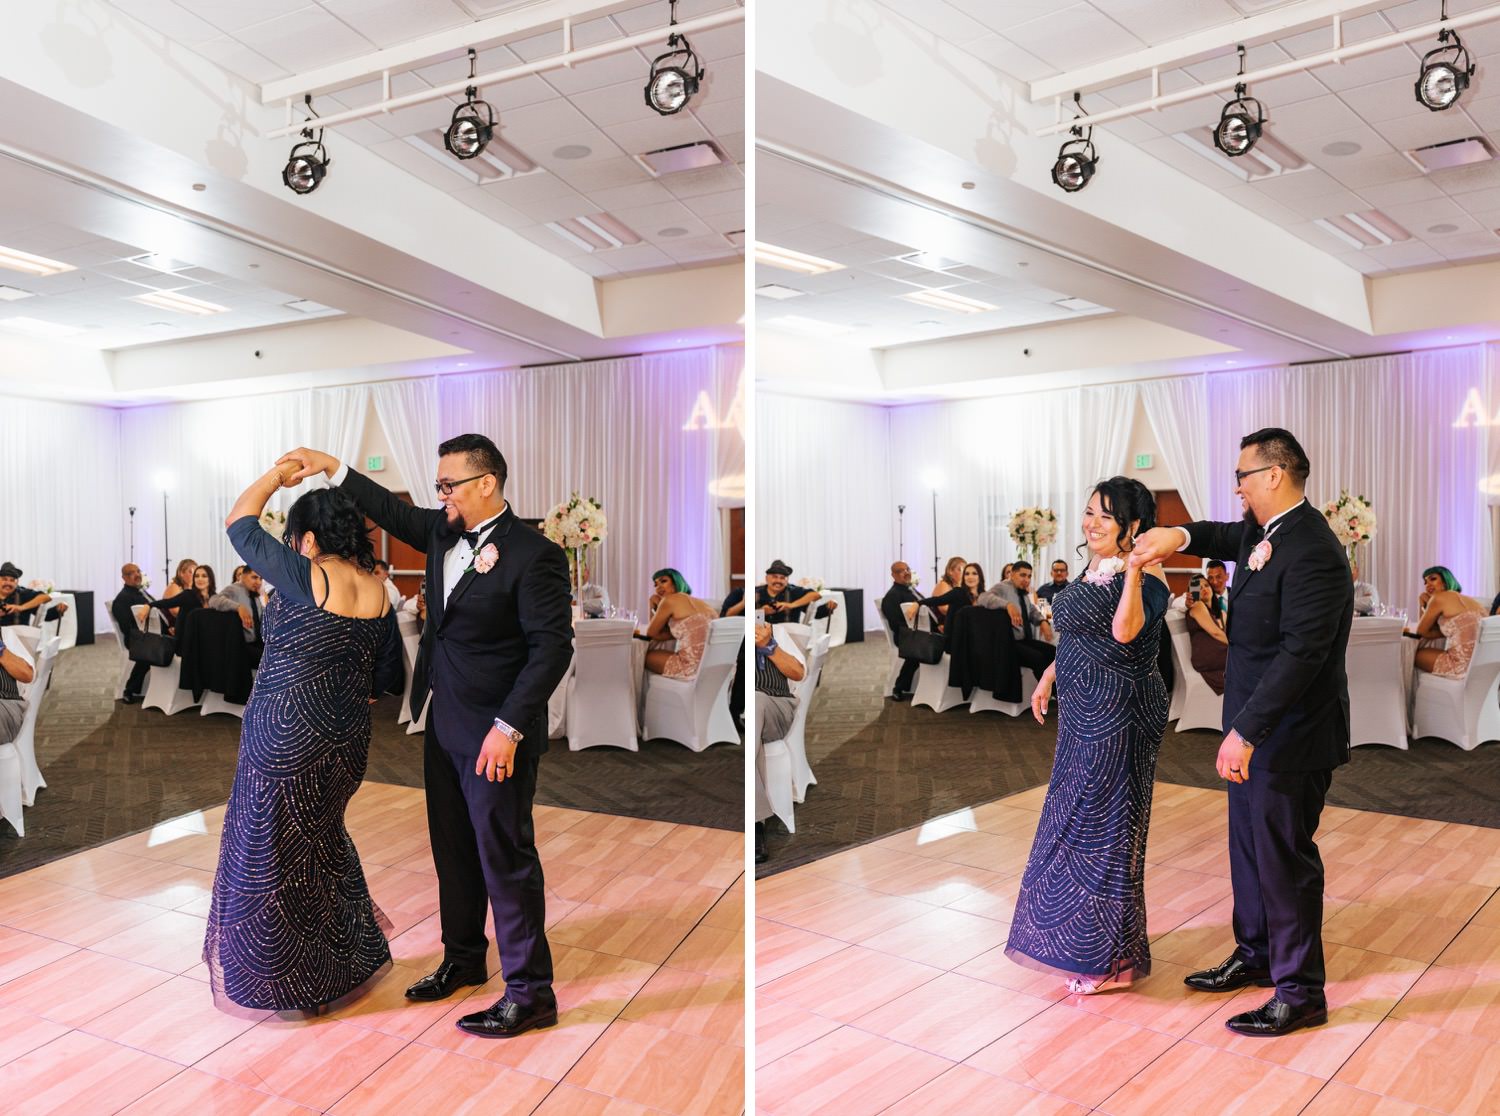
377 464
1142 460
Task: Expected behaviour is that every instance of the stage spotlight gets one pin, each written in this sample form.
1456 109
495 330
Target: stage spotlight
307 165
469 133
675 75
1238 129
1446 70
1076 158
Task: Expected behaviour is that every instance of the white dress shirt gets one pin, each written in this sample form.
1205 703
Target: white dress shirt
1271 525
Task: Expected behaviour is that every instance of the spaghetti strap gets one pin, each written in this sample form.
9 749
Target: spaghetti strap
326 589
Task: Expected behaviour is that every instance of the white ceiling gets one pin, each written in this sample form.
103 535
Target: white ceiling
1365 109
682 218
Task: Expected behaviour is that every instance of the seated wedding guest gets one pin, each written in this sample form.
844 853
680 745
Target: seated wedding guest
1005 571
1218 580
900 593
1058 583
593 600
383 572
1032 630
1205 625
416 604
734 604
243 596
780 602
775 710
13 669
182 582
680 616
971 585
1366 599
1446 612
953 577
124 608
203 586
18 604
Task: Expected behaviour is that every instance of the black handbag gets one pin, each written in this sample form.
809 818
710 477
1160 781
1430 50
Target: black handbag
925 647
153 648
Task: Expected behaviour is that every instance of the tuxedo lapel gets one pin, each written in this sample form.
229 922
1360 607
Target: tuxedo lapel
495 535
1283 531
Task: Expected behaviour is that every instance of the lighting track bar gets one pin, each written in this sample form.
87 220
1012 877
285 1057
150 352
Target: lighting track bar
1338 54
893 192
566 60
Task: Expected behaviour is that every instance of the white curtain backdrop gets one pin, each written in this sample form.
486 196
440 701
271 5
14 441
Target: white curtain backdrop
1175 409
408 413
633 433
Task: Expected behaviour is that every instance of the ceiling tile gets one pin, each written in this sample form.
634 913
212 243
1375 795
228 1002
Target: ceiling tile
1155 22
1072 37
388 23
240 60
232 16
170 19
305 39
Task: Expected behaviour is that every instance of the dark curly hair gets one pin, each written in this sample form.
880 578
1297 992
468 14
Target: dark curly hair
1126 500
337 524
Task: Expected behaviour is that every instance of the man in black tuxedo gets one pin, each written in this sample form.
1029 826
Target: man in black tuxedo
497 640
1286 716
121 608
898 594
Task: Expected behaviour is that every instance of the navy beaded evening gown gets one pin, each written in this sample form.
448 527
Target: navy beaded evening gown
1082 907
292 925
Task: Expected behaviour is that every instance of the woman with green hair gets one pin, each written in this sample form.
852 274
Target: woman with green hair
676 615
1448 614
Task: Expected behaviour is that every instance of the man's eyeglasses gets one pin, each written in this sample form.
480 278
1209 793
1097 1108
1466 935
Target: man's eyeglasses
1241 474
445 488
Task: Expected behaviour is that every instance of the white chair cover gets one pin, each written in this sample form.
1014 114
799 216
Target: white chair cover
778 764
796 738
35 693
218 703
410 629
695 712
1196 704
893 670
557 706
125 664
10 787
1462 711
600 695
800 634
1377 689
984 701
164 690
932 689
838 619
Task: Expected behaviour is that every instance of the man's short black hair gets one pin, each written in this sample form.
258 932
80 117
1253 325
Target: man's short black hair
382 564
1020 564
243 571
483 455
1280 447
1060 562
1215 564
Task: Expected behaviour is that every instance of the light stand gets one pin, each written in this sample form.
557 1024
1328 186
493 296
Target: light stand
934 538
901 532
166 546
132 535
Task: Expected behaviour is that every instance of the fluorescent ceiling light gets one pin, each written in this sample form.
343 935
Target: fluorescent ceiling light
179 303
947 300
35 327
498 160
17 260
13 294
810 327
788 260
598 232
777 291
1370 229
1269 158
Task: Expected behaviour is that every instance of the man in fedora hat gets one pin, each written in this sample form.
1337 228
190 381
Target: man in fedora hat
17 603
781 603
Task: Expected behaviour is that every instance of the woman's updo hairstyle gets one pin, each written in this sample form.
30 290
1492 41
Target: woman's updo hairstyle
1127 500
337 525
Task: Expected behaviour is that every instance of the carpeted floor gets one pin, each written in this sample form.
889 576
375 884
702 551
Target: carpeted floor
883 767
113 769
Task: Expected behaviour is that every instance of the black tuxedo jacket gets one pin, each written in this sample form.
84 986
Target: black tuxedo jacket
1285 688
127 598
890 606
503 640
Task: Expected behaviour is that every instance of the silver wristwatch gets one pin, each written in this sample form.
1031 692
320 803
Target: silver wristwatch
515 736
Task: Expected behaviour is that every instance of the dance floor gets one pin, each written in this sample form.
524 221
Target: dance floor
106 1005
883 984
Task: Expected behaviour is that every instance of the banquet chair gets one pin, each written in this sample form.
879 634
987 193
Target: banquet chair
1194 702
25 741
1462 711
800 634
983 701
410 630
164 690
795 739
218 703
694 712
557 705
778 765
818 626
126 665
932 689
10 788
600 694
1377 702
893 670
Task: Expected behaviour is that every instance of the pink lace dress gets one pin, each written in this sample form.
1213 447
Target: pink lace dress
1460 633
691 634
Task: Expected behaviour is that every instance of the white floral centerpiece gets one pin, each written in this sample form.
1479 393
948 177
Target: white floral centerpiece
813 583
273 522
575 525
41 585
1031 529
1352 520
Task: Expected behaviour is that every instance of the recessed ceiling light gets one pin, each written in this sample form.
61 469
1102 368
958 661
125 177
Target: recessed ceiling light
179 303
928 322
573 151
155 261
308 306
777 291
1443 228
17 260
13 294
1077 305
200 187
967 185
929 260
811 327
788 260
35 327
1342 147
947 300
672 230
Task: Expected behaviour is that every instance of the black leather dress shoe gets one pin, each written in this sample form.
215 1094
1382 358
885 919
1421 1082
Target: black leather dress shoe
1274 1018
446 980
901 695
507 1020
762 854
132 699
1231 976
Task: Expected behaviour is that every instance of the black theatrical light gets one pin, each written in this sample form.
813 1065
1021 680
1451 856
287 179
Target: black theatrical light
469 133
1238 129
1446 70
307 165
675 75
1076 159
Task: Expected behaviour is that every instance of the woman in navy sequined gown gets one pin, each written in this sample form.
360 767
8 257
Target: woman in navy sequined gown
1082 907
292 925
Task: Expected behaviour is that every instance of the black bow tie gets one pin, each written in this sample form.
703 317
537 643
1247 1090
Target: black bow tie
470 537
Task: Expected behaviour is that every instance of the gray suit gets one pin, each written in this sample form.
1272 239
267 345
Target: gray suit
232 598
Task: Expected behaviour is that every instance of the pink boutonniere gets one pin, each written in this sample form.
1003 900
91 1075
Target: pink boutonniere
485 560
1260 555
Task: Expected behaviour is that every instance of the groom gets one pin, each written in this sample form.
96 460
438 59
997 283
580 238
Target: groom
1286 723
497 641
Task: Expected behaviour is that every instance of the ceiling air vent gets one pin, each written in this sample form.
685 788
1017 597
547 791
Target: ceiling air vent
1454 153
683 157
